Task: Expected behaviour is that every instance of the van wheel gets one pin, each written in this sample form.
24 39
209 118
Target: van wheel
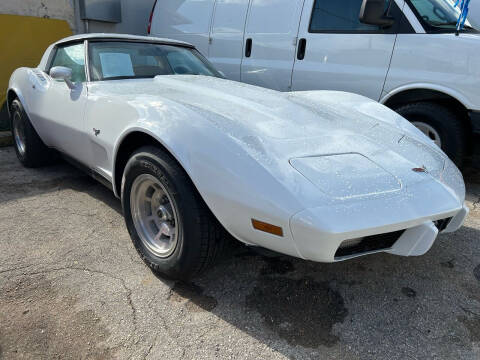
170 225
30 149
441 125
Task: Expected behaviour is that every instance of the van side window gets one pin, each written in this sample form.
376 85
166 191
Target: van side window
342 16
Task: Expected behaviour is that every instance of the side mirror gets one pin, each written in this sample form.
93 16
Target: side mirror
373 12
62 73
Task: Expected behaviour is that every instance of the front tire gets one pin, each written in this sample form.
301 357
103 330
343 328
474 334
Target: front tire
440 124
170 225
30 149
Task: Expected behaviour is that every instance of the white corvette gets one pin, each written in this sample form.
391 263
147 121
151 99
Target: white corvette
321 175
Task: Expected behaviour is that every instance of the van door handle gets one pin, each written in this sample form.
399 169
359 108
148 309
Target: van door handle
248 48
302 46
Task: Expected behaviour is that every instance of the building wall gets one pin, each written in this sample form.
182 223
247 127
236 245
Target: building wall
27 27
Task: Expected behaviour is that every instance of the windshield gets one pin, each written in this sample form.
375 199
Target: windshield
439 14
113 60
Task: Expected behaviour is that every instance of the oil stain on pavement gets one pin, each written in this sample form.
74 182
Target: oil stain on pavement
302 311
276 265
409 292
476 272
473 327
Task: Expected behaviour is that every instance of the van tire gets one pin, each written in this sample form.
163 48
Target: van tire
444 121
30 149
200 237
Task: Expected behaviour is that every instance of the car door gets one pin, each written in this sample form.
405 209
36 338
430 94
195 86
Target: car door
58 110
337 52
226 36
270 39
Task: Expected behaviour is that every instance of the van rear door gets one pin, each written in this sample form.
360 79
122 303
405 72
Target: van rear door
269 44
226 36
337 52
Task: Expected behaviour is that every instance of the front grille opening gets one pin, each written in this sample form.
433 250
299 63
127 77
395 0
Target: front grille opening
368 244
442 224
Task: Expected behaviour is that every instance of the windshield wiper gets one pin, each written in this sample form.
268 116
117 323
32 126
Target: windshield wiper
450 23
128 77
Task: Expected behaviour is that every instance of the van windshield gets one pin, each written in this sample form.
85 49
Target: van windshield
114 60
440 15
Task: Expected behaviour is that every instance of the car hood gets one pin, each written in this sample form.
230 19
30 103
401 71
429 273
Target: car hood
244 110
322 122
280 128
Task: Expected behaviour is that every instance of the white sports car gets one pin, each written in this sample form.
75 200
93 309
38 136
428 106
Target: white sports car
320 175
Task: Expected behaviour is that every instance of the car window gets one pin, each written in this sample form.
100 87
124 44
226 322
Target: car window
73 57
339 16
110 60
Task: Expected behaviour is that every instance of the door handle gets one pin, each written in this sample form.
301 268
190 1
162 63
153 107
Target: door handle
248 47
302 46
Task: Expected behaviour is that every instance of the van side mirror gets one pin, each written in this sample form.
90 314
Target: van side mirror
373 12
62 73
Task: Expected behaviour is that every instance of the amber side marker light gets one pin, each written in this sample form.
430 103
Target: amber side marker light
266 227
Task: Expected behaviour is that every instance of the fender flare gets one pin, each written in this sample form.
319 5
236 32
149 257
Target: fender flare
20 96
182 161
428 86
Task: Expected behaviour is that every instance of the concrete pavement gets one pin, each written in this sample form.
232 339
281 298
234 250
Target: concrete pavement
72 286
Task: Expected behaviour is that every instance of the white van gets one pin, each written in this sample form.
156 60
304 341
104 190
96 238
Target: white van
404 53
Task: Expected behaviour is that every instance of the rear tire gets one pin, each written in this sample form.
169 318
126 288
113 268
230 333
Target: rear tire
191 238
439 121
30 149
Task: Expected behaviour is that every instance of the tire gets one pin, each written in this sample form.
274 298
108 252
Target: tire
199 236
445 124
30 149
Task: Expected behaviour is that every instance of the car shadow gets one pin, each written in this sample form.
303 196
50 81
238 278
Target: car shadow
17 182
289 303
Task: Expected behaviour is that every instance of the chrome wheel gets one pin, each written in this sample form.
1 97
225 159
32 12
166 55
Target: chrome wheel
19 132
154 215
429 131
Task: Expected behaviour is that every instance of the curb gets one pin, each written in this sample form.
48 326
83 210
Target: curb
6 138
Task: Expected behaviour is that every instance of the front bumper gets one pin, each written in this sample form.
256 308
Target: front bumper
418 240
319 232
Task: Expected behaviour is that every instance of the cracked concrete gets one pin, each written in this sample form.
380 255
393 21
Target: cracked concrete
72 286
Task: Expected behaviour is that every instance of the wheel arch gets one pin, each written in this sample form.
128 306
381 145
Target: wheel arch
443 97
128 143
11 96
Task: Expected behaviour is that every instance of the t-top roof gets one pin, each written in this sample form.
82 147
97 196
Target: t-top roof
92 36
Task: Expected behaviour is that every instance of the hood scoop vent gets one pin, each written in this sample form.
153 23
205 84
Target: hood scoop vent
346 176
